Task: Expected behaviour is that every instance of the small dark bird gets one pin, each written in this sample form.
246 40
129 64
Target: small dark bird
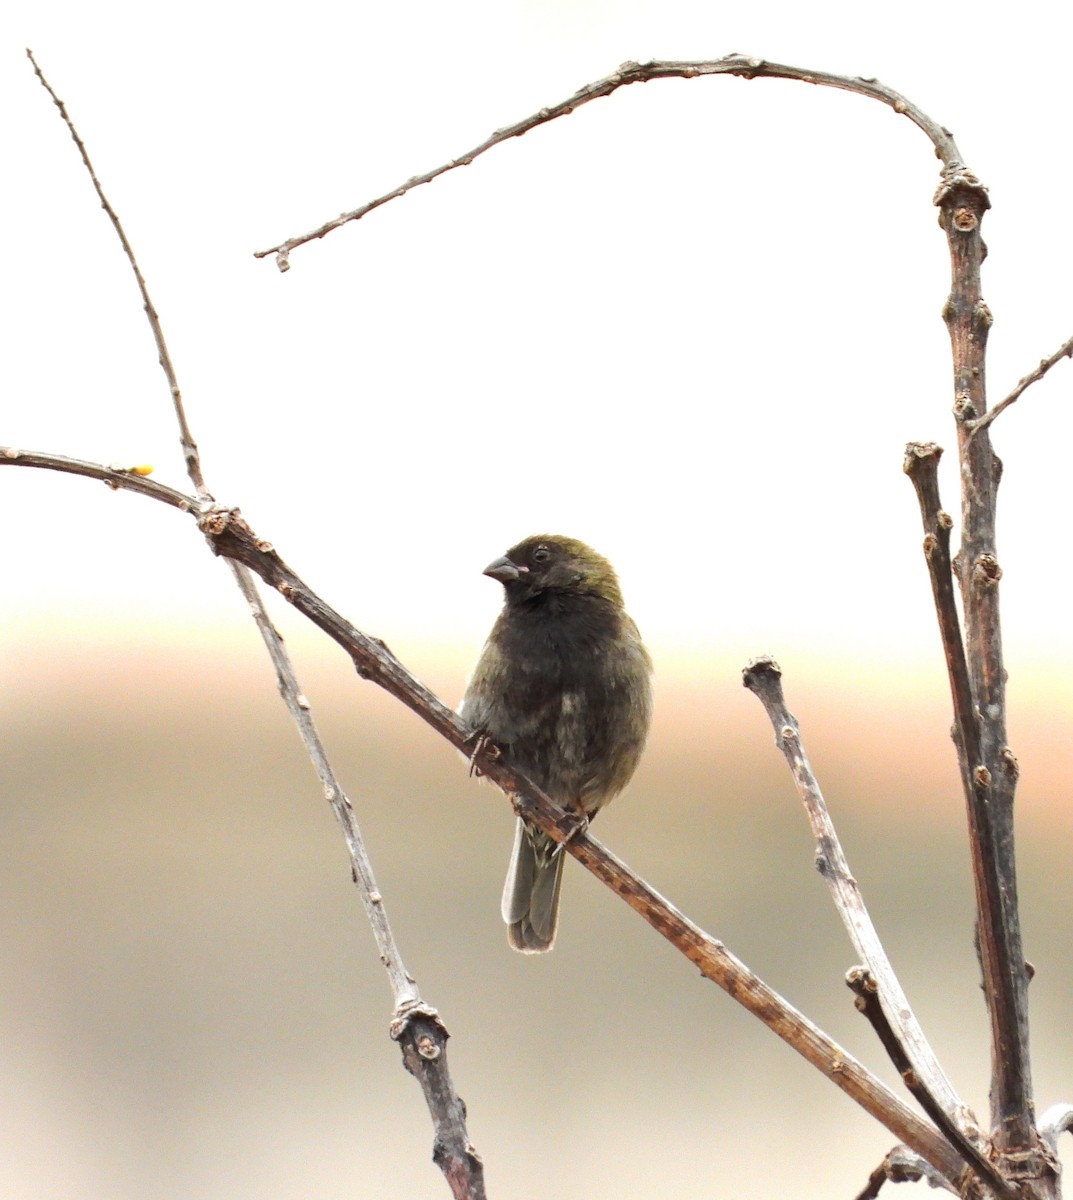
563 688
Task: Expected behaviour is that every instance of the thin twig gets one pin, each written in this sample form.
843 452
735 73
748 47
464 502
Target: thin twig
190 450
632 72
1063 351
117 477
921 464
231 537
763 678
402 985
864 986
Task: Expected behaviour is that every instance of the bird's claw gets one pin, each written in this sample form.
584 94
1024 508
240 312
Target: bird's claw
482 744
579 825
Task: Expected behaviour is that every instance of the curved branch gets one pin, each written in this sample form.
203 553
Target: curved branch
632 72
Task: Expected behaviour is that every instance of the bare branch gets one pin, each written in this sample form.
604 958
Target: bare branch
230 536
402 985
117 477
632 72
1063 351
423 1040
718 964
921 464
903 1037
190 450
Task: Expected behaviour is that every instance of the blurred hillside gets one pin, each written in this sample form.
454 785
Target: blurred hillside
192 1005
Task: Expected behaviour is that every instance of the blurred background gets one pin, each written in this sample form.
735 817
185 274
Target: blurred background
693 324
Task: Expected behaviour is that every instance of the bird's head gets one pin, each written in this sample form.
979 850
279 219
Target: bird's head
549 563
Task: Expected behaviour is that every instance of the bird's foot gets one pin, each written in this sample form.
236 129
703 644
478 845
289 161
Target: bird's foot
579 823
482 744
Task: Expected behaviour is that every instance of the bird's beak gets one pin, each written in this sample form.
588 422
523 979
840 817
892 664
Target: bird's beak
504 570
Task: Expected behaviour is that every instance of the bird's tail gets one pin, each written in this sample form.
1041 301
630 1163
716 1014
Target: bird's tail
531 893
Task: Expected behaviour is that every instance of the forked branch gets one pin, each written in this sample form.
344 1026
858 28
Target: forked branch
865 987
415 1025
190 450
897 1026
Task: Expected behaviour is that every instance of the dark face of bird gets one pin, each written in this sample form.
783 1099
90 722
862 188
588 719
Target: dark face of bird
547 563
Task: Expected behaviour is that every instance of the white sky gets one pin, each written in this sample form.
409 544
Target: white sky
693 324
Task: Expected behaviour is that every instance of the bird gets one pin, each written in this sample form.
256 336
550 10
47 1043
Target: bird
563 689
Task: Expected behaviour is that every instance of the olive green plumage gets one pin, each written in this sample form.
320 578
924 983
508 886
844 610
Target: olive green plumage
563 688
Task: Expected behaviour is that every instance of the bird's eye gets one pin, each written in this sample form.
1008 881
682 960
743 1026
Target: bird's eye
541 554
